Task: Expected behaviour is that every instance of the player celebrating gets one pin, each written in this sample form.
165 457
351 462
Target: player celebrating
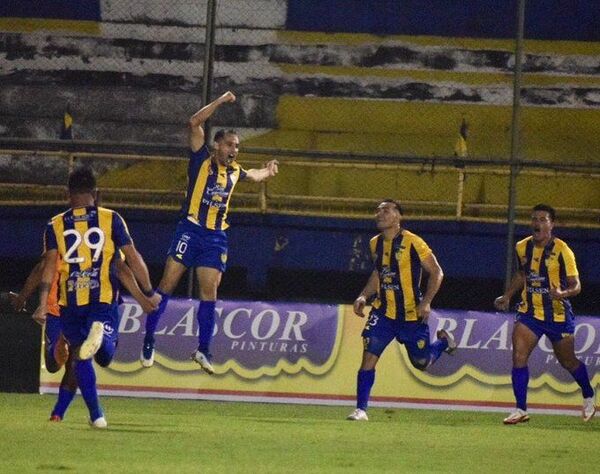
87 239
200 240
398 311
547 276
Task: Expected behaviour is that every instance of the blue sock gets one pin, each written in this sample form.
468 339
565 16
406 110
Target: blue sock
206 325
65 397
364 382
437 349
580 374
107 350
50 361
520 380
86 379
153 318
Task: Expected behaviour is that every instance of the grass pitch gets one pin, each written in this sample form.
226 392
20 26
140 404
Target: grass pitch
180 436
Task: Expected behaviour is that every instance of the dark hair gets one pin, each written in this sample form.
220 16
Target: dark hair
82 180
546 208
396 205
220 134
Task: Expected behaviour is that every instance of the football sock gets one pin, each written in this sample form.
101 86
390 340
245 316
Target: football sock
206 325
65 397
520 380
86 379
580 374
437 349
50 361
364 382
153 317
107 350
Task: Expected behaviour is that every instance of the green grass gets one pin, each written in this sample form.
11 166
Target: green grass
178 436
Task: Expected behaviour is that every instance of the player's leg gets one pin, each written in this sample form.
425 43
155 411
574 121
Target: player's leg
66 391
524 340
77 324
52 338
378 333
172 273
421 353
107 350
564 348
209 280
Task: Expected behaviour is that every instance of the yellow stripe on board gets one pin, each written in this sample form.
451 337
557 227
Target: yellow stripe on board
105 224
29 25
356 39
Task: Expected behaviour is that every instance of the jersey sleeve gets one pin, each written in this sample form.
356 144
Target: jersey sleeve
423 250
569 259
49 238
120 232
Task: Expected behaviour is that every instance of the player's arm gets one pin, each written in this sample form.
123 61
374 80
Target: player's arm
369 290
517 283
258 175
434 281
47 274
199 118
573 289
139 269
19 300
127 279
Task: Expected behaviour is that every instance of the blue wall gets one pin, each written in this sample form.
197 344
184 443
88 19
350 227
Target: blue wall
544 19
51 9
260 242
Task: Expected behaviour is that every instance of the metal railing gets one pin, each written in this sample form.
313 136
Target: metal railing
33 189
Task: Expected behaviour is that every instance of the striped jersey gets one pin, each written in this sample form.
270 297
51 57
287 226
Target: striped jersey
210 186
87 240
543 267
398 263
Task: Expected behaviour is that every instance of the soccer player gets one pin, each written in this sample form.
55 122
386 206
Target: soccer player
87 238
547 277
398 311
200 240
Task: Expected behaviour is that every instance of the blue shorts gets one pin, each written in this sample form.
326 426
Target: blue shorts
76 321
196 246
380 331
553 331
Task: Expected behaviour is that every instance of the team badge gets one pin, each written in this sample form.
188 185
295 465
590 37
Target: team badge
420 343
223 258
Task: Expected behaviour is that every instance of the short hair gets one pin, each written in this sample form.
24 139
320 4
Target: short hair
82 180
546 208
396 205
220 134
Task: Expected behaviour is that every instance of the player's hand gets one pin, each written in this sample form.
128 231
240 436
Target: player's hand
151 303
556 293
227 97
423 311
39 316
272 167
16 301
502 303
359 306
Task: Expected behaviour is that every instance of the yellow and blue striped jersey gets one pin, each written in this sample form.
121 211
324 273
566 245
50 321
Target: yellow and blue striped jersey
398 262
88 240
209 190
543 267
